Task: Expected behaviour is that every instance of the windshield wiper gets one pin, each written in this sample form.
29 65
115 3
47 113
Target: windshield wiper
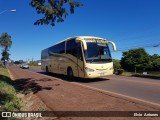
107 60
95 56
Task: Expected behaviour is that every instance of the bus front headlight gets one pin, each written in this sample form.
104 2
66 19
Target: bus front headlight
88 69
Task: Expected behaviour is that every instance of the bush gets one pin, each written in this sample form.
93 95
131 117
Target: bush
120 71
33 64
116 65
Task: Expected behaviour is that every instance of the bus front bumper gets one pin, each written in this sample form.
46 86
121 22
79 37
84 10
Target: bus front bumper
98 74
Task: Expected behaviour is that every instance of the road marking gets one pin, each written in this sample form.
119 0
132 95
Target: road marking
121 96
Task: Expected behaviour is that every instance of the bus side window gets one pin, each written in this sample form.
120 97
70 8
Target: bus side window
71 47
79 51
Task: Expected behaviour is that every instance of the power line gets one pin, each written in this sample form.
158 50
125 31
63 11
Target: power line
142 46
137 38
136 47
141 43
156 45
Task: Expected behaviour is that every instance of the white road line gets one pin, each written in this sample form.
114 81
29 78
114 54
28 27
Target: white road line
107 92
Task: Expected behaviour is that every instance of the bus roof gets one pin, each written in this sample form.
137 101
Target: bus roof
80 37
77 37
83 37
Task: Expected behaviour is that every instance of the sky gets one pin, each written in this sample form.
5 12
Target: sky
128 23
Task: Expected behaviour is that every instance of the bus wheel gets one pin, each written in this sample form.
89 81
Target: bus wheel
47 69
69 72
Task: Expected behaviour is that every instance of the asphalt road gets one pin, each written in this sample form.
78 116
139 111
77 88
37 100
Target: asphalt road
139 88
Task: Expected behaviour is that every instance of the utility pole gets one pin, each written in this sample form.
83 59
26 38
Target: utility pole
32 59
135 70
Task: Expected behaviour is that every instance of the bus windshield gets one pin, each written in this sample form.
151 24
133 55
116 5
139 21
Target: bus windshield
97 52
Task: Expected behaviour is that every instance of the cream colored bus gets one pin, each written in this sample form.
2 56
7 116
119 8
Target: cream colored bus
82 56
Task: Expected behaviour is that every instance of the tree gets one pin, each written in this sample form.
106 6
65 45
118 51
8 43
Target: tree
116 65
5 56
137 58
5 43
156 64
154 56
53 10
16 62
155 59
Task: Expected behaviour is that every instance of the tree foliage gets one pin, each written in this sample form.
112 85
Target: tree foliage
155 60
5 55
16 62
53 10
116 65
5 43
138 58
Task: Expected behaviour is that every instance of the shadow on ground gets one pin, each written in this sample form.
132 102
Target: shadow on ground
28 85
25 85
74 79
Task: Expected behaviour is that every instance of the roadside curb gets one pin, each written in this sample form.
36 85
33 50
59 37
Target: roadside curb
10 74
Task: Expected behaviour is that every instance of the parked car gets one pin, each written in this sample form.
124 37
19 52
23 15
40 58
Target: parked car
24 66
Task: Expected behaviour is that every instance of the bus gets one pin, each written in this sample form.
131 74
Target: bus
81 56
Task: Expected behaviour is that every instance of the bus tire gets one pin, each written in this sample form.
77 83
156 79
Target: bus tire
70 72
47 69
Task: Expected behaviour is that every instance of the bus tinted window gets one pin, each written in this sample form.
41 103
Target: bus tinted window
79 51
59 48
71 47
62 47
97 52
44 54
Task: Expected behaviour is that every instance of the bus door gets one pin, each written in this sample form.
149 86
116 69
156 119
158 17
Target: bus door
80 63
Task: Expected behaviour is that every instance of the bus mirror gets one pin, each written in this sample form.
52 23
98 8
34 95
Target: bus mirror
113 45
84 45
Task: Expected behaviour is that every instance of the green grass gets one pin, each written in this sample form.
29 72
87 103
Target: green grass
150 74
154 72
8 98
127 73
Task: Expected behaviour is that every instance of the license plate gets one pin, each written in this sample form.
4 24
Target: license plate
102 73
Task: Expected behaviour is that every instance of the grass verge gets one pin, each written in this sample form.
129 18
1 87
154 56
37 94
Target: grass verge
151 74
147 76
8 97
35 66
